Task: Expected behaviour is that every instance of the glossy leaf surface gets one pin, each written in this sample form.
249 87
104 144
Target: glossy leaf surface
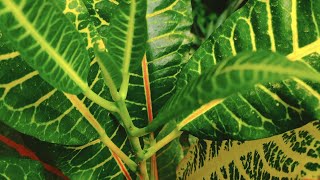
287 27
233 75
47 41
169 157
62 123
168 45
91 26
94 160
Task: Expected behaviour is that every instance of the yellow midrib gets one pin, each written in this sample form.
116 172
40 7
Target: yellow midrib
203 109
18 14
297 54
114 2
294 25
128 48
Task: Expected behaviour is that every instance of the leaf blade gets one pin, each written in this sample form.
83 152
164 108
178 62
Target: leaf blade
289 155
61 123
15 168
261 25
232 75
66 66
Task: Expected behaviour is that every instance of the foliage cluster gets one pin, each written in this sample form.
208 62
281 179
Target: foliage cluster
159 89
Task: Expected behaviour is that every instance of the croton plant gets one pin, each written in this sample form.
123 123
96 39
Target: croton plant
114 89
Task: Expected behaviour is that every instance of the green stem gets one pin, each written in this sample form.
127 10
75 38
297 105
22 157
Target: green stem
143 170
125 116
153 126
138 132
125 84
129 126
100 101
160 144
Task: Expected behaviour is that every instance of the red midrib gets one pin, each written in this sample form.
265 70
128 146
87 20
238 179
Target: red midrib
23 151
146 82
122 166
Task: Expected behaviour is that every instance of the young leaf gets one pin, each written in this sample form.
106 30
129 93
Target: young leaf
292 155
101 14
15 168
287 27
47 41
235 74
125 44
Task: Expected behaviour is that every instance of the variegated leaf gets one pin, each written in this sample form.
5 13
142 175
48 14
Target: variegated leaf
292 155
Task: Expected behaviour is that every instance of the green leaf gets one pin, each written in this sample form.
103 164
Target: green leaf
287 27
169 157
101 13
15 168
292 155
7 132
233 75
167 50
94 160
45 112
88 161
168 46
125 44
47 41
13 146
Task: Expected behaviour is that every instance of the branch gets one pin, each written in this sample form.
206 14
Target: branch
129 126
160 144
108 105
